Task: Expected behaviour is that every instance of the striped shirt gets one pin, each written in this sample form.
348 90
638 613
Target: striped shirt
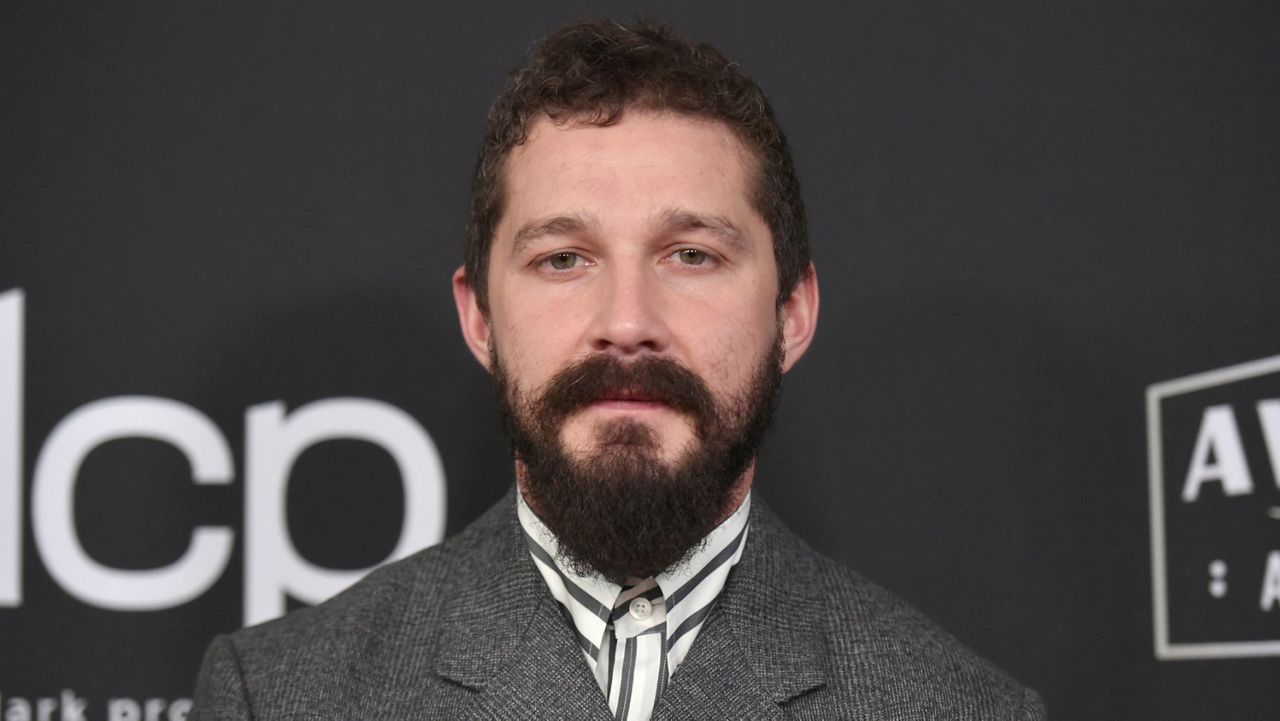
634 636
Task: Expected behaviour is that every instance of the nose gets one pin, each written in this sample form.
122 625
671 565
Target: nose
629 317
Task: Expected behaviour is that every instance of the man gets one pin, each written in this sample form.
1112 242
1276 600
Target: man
637 281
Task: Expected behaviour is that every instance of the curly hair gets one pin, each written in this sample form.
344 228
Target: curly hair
592 72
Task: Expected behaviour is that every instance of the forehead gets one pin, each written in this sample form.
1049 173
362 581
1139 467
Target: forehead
644 162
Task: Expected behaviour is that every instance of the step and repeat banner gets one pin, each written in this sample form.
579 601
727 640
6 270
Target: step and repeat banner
1043 404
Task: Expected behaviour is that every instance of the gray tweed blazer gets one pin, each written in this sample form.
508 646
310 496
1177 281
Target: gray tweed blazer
468 630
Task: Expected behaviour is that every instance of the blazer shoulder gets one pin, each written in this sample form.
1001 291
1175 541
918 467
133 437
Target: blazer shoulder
385 624
370 604
879 652
387 600
877 637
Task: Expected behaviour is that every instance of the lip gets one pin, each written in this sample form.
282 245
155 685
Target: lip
629 404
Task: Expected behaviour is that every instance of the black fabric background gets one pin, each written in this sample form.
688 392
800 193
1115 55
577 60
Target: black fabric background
1022 214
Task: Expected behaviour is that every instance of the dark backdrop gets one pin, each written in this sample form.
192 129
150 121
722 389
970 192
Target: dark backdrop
1023 215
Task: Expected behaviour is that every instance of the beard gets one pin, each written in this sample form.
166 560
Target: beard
621 510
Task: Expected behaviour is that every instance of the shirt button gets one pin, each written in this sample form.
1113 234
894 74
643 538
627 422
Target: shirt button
640 608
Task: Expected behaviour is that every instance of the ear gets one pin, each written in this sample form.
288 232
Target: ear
474 322
799 318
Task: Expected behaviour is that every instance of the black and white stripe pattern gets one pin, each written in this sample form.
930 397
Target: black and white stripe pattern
634 636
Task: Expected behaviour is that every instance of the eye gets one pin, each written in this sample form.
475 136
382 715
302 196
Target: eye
691 256
563 260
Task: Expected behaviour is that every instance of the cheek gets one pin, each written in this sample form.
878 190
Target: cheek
732 354
531 350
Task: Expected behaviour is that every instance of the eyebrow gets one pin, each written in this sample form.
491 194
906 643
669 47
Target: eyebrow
572 224
676 220
668 222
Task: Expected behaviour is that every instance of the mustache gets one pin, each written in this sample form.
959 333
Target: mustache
605 377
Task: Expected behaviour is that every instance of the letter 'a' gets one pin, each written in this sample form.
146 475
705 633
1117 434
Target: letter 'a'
1219 437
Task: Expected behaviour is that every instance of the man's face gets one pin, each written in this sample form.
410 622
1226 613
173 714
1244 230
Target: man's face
634 246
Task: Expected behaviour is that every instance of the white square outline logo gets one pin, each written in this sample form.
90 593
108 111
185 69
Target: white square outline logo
1157 392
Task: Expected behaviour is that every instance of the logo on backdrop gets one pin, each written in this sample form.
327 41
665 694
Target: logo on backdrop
1213 442
274 439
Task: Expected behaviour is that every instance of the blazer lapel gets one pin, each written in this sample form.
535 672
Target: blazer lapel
758 649
504 637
